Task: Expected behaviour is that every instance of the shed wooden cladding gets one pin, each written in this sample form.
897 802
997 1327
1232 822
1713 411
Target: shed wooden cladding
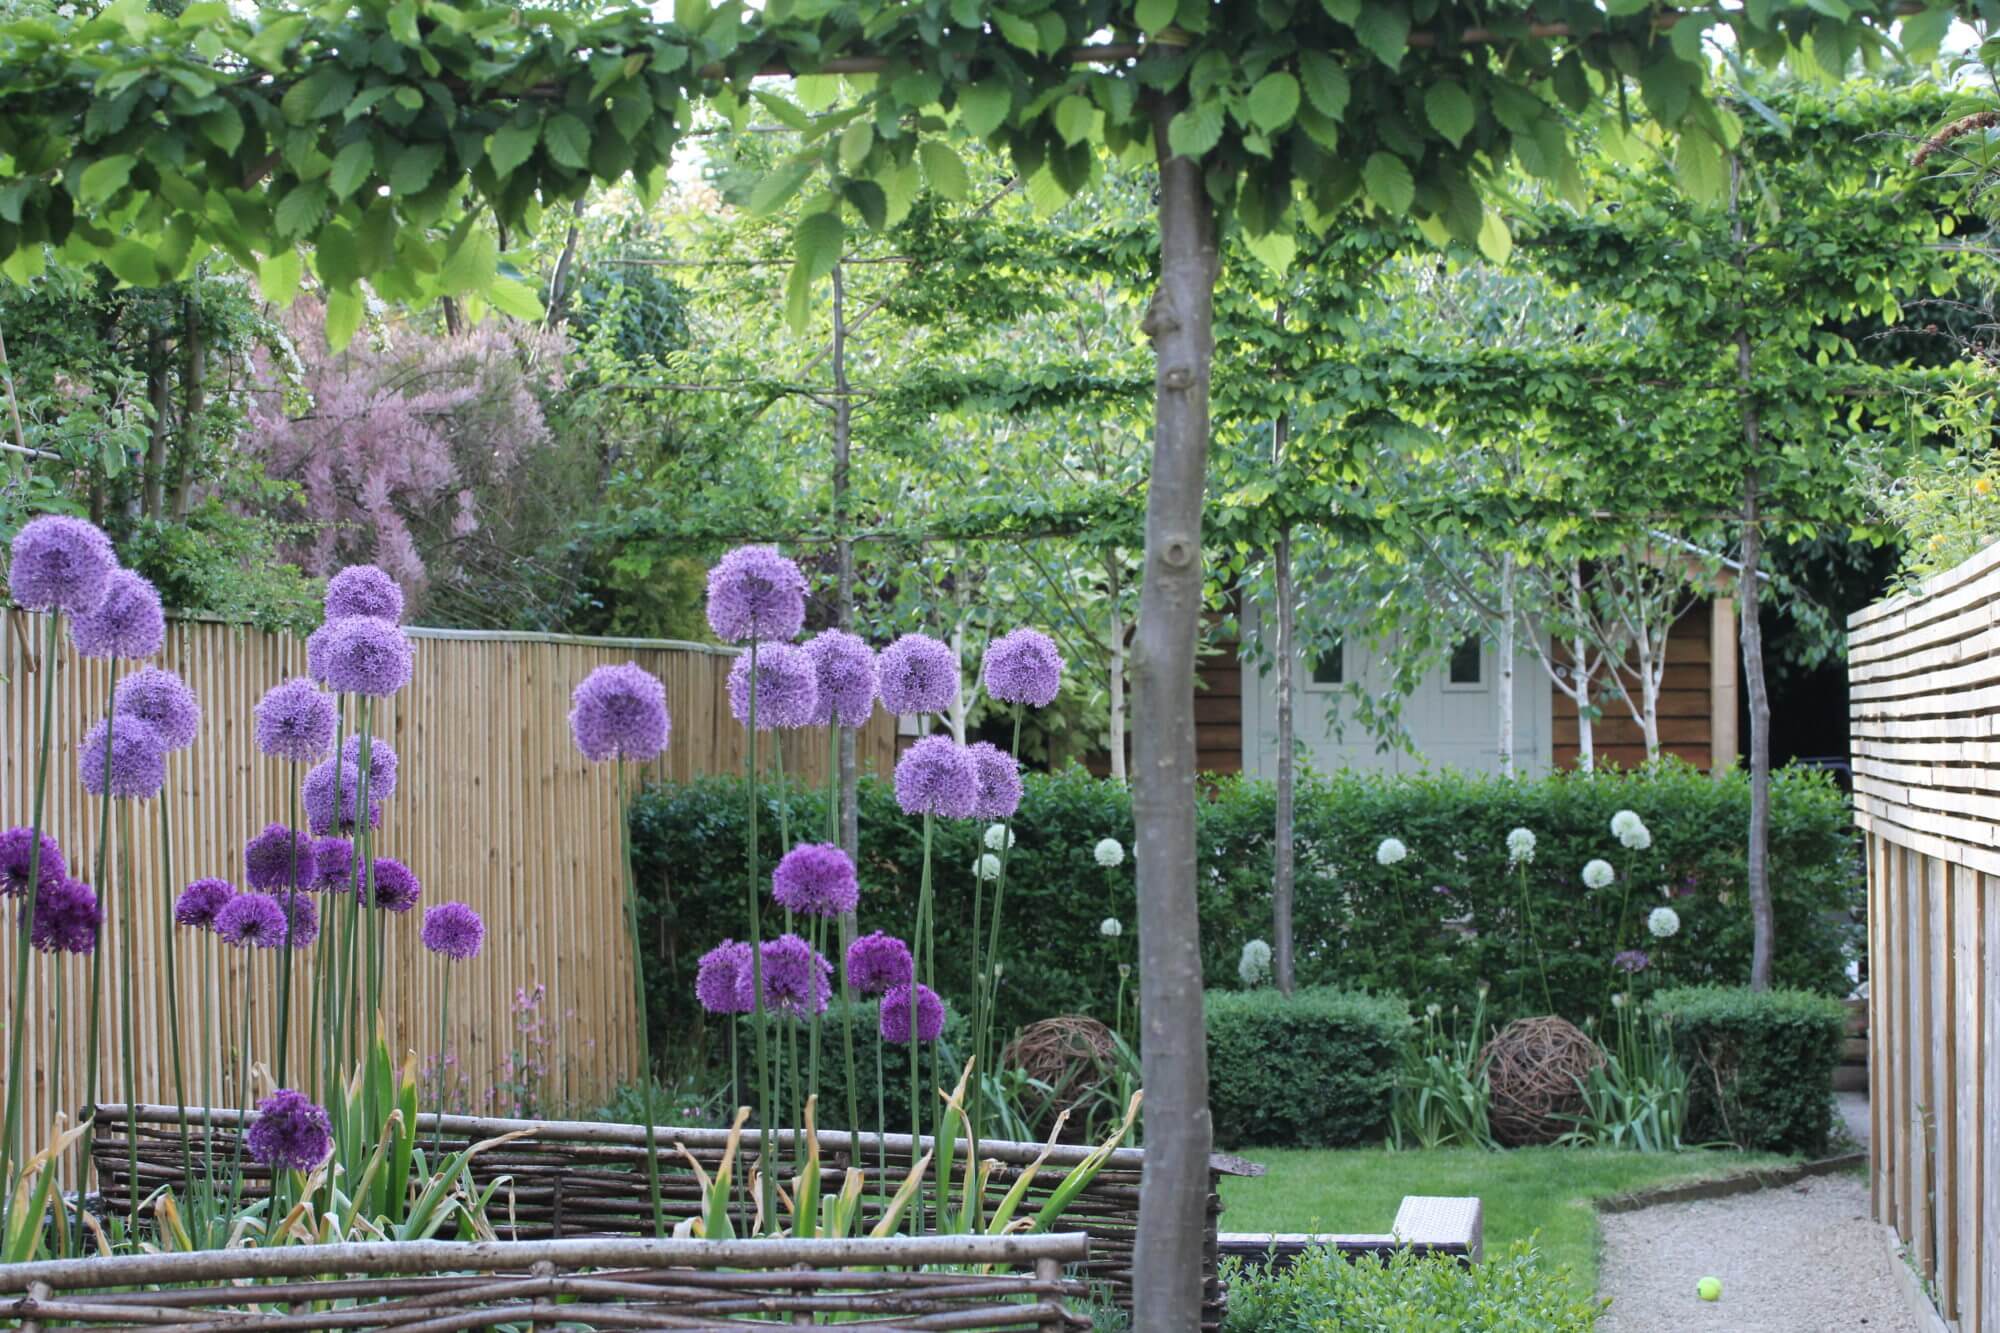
494 807
1924 671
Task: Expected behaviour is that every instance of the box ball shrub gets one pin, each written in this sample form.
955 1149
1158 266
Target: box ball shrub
1323 1293
1760 1064
1315 1070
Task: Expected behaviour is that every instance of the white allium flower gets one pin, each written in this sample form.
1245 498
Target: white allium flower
1620 1000
1109 853
1624 822
1663 922
987 866
1520 846
1433 1009
1254 967
999 837
1389 851
1598 874
1110 928
1638 839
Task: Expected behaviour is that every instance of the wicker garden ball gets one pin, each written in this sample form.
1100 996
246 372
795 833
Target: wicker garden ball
1073 1055
1532 1067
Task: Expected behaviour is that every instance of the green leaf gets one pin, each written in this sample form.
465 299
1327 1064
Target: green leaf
471 263
1274 101
1274 249
798 298
983 107
223 128
511 145
278 277
1346 11
414 167
1153 15
944 169
855 142
403 22
1387 179
104 178
300 210
511 296
1495 241
818 241
1325 83
1923 32
1074 118
351 166
1698 163
774 188
1017 31
344 308
1449 109
321 93
568 140
134 263
1385 30
1195 129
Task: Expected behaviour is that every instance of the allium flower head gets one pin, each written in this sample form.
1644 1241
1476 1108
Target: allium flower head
137 766
199 902
875 962
787 688
716 979
1598 874
268 858
1631 960
918 675
1624 822
363 590
1663 923
163 701
316 646
295 721
365 655
396 886
1253 968
797 979
620 712
1023 667
1618 1001
1109 853
290 1133
1389 851
66 917
937 776
304 911
59 563
317 795
998 837
17 850
127 622
333 865
251 919
1111 928
755 593
987 867
1520 846
453 930
895 1022
844 671
1638 839
999 781
816 878
381 764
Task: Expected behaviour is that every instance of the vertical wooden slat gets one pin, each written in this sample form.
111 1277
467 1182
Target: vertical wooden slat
1969 1130
1880 1182
1916 1050
1944 1085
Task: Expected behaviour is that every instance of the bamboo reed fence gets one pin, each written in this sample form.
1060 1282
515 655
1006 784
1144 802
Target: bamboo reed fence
928 1282
494 807
1924 673
572 1178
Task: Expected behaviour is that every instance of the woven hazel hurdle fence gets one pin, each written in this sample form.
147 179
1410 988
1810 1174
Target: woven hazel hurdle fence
1924 702
578 1178
928 1282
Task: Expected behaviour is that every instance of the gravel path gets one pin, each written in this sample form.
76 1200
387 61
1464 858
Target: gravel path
1801 1258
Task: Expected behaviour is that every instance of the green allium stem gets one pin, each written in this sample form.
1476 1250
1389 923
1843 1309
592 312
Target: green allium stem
128 956
645 1028
10 1126
285 957
93 1037
920 935
444 1030
173 1005
767 1183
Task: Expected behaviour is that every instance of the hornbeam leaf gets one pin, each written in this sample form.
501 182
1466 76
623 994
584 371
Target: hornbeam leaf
343 316
771 191
1018 31
278 277
470 265
1073 117
511 145
818 240
104 178
511 296
944 169
1153 15
223 128
300 210
1274 101
1385 30
133 262
1387 179
983 107
568 140
351 166
1195 129
1495 241
1325 83
1449 108
414 167
1275 249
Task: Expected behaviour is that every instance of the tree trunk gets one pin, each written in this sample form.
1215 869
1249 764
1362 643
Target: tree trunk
559 280
159 394
1586 741
843 440
960 703
1173 1194
1503 648
1763 927
1117 646
194 396
1285 861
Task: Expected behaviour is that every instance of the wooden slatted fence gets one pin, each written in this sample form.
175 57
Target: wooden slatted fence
1924 673
494 807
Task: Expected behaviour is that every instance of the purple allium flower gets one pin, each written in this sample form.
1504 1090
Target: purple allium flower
787 688
59 564
316 645
1631 960
454 930
937 776
1023 667
333 864
844 668
895 1026
163 701
797 979
918 675
17 849
316 792
268 858
66 917
999 781
128 622
620 712
396 886
251 919
755 593
290 1133
138 767
716 979
200 901
365 655
381 764
875 962
304 912
295 721
816 877
363 590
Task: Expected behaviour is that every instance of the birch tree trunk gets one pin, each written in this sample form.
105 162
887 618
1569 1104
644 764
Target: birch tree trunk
1173 1193
1283 854
1117 649
960 702
1580 664
1503 648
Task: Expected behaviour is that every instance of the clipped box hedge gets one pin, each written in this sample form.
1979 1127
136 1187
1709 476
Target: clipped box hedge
1313 1071
1760 1064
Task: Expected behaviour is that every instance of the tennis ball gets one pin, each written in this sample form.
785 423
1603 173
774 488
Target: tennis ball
1709 1288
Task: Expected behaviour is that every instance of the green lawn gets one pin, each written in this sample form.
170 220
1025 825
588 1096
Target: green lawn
1524 1191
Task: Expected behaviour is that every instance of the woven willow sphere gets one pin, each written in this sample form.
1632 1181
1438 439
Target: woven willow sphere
1532 1066
1073 1055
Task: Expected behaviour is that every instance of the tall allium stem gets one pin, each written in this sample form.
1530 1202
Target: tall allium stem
1528 916
767 1186
365 838
847 932
208 943
639 987
94 1023
784 809
173 1005
444 1033
327 1035
126 959
12 1122
917 944
881 1119
989 981
291 907
243 1097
